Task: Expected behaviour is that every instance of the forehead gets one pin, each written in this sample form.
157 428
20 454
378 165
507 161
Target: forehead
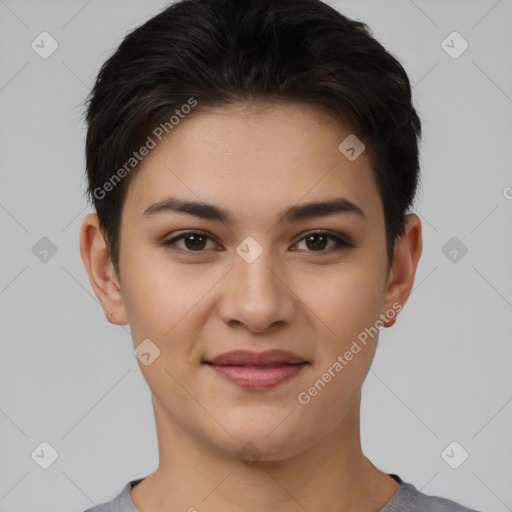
254 159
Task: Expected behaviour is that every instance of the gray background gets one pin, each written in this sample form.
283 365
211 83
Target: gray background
441 374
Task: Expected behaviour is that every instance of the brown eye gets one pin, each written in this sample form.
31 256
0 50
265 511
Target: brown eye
192 242
318 241
196 242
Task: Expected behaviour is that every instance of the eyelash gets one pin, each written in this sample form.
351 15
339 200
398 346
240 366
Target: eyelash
341 243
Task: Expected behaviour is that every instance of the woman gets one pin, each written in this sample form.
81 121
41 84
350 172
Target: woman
252 165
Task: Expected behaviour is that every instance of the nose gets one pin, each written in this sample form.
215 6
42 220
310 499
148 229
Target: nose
256 294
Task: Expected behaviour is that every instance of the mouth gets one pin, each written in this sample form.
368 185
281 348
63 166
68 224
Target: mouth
261 359
257 371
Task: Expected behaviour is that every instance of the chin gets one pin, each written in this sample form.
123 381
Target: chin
263 435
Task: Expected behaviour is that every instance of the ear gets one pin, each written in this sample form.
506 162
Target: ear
406 255
96 258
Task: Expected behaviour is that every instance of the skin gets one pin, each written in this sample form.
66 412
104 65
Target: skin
294 296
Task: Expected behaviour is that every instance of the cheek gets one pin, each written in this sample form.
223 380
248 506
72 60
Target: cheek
348 300
158 295
325 401
349 306
162 306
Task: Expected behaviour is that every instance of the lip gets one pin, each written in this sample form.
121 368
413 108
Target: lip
257 371
248 358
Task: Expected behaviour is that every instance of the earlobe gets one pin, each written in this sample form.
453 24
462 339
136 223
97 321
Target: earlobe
407 253
96 258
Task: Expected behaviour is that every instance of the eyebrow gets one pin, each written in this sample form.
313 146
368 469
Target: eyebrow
294 213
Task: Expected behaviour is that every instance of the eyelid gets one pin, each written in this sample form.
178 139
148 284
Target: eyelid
342 241
339 238
171 242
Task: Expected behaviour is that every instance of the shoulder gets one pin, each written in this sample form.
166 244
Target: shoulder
425 503
121 503
412 500
437 504
103 507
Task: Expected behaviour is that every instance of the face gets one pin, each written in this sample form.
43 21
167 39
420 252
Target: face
262 277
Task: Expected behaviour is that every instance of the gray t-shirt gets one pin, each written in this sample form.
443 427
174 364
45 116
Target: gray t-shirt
405 499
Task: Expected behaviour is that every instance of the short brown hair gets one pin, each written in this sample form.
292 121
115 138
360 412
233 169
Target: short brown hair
223 51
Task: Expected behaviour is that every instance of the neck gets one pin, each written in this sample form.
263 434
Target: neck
331 475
